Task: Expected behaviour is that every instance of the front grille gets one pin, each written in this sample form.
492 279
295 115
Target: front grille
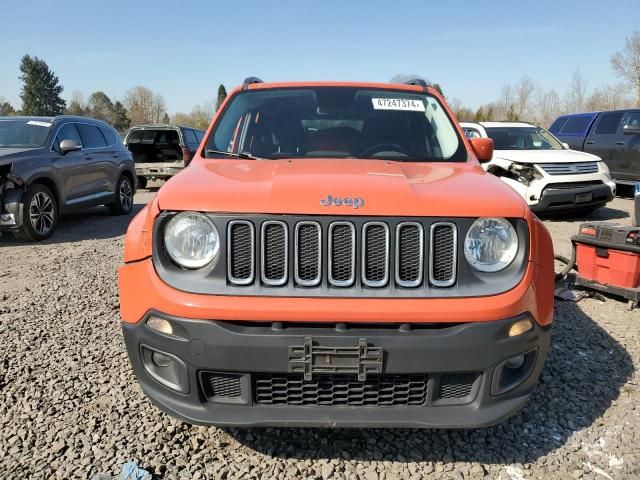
221 385
443 254
241 252
340 390
456 385
342 254
569 168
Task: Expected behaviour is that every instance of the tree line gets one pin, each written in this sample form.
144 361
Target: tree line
41 96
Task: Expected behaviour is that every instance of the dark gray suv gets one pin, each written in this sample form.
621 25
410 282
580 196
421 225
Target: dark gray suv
55 165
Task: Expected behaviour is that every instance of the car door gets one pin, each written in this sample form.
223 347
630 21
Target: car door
602 139
70 168
98 172
628 149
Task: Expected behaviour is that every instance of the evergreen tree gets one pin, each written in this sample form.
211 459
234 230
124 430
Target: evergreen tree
100 106
119 117
222 94
41 90
6 109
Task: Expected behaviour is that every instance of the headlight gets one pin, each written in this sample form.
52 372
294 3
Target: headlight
604 168
491 244
191 239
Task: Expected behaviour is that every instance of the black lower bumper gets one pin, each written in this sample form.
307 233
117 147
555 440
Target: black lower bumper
431 376
561 199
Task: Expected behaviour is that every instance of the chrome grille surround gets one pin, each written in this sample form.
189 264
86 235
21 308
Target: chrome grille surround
376 282
403 282
265 257
299 264
333 252
449 257
230 253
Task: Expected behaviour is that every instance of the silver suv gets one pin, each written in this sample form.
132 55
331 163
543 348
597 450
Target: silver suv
55 165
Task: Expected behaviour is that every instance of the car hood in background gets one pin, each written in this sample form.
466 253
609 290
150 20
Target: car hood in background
10 155
545 156
297 186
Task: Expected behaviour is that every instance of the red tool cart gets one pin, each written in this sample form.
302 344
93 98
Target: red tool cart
607 259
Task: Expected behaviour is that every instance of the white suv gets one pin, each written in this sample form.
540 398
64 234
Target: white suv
545 172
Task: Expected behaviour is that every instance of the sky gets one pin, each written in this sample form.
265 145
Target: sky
185 49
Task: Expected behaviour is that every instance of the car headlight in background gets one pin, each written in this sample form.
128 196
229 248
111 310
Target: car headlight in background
191 239
604 168
491 244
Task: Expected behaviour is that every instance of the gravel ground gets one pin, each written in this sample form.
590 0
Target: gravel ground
70 406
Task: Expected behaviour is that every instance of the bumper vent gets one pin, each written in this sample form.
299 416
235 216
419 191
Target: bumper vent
340 390
456 386
221 385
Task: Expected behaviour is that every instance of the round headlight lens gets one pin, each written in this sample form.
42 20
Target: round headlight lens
491 244
191 239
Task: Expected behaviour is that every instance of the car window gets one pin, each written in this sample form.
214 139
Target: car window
23 133
135 136
522 138
109 136
557 125
67 132
609 123
199 135
189 136
633 120
91 136
471 132
576 125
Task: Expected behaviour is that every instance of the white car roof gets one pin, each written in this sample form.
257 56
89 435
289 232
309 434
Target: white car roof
506 124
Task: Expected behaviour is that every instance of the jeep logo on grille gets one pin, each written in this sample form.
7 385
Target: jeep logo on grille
355 202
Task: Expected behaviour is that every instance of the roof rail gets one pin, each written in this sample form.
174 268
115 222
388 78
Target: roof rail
417 81
249 80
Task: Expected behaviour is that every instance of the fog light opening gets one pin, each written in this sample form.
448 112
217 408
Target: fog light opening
160 325
161 360
515 362
520 327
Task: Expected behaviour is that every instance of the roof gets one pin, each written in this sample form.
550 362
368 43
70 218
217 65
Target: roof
506 124
28 117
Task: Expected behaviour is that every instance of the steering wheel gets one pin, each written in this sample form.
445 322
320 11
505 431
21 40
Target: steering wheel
384 147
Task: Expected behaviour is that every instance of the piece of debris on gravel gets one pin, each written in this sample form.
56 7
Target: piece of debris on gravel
70 406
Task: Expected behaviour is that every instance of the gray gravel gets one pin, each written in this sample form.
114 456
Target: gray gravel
70 407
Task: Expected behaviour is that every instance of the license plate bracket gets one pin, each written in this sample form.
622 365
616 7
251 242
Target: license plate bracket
582 197
310 359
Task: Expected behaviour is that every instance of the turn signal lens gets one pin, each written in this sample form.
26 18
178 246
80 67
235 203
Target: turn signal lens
160 325
520 327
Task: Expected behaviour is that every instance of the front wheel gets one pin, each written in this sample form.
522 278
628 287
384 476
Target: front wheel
123 203
39 214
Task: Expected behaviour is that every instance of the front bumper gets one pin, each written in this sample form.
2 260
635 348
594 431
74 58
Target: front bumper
560 199
246 350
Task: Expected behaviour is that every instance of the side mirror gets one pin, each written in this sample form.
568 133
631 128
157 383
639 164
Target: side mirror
482 148
631 130
566 146
67 146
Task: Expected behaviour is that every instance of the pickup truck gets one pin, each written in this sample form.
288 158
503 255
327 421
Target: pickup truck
613 136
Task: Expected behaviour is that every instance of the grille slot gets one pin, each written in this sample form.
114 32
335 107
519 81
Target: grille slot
456 386
340 390
569 168
375 254
443 255
409 254
274 254
221 385
342 254
308 256
241 252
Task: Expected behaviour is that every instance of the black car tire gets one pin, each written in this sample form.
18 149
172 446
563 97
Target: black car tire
123 203
39 214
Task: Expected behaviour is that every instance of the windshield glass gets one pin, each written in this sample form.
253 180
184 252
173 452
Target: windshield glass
23 133
336 122
522 138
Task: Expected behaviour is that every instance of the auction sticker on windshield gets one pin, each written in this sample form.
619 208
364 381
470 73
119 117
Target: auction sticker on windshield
403 104
39 124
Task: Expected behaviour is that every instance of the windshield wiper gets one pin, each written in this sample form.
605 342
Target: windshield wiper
245 155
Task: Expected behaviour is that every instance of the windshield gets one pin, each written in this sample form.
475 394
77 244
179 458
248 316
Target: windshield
522 138
23 133
336 122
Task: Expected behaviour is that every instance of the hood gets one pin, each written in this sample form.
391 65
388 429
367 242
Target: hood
371 187
10 155
545 156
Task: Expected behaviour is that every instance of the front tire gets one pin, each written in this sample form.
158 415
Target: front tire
39 214
123 204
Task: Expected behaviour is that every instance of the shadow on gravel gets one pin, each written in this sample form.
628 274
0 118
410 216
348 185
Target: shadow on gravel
601 214
93 224
584 372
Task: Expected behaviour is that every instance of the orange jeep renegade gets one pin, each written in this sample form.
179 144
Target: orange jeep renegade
335 255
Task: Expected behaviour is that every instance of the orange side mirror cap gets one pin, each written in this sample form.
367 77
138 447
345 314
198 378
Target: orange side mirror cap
482 148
